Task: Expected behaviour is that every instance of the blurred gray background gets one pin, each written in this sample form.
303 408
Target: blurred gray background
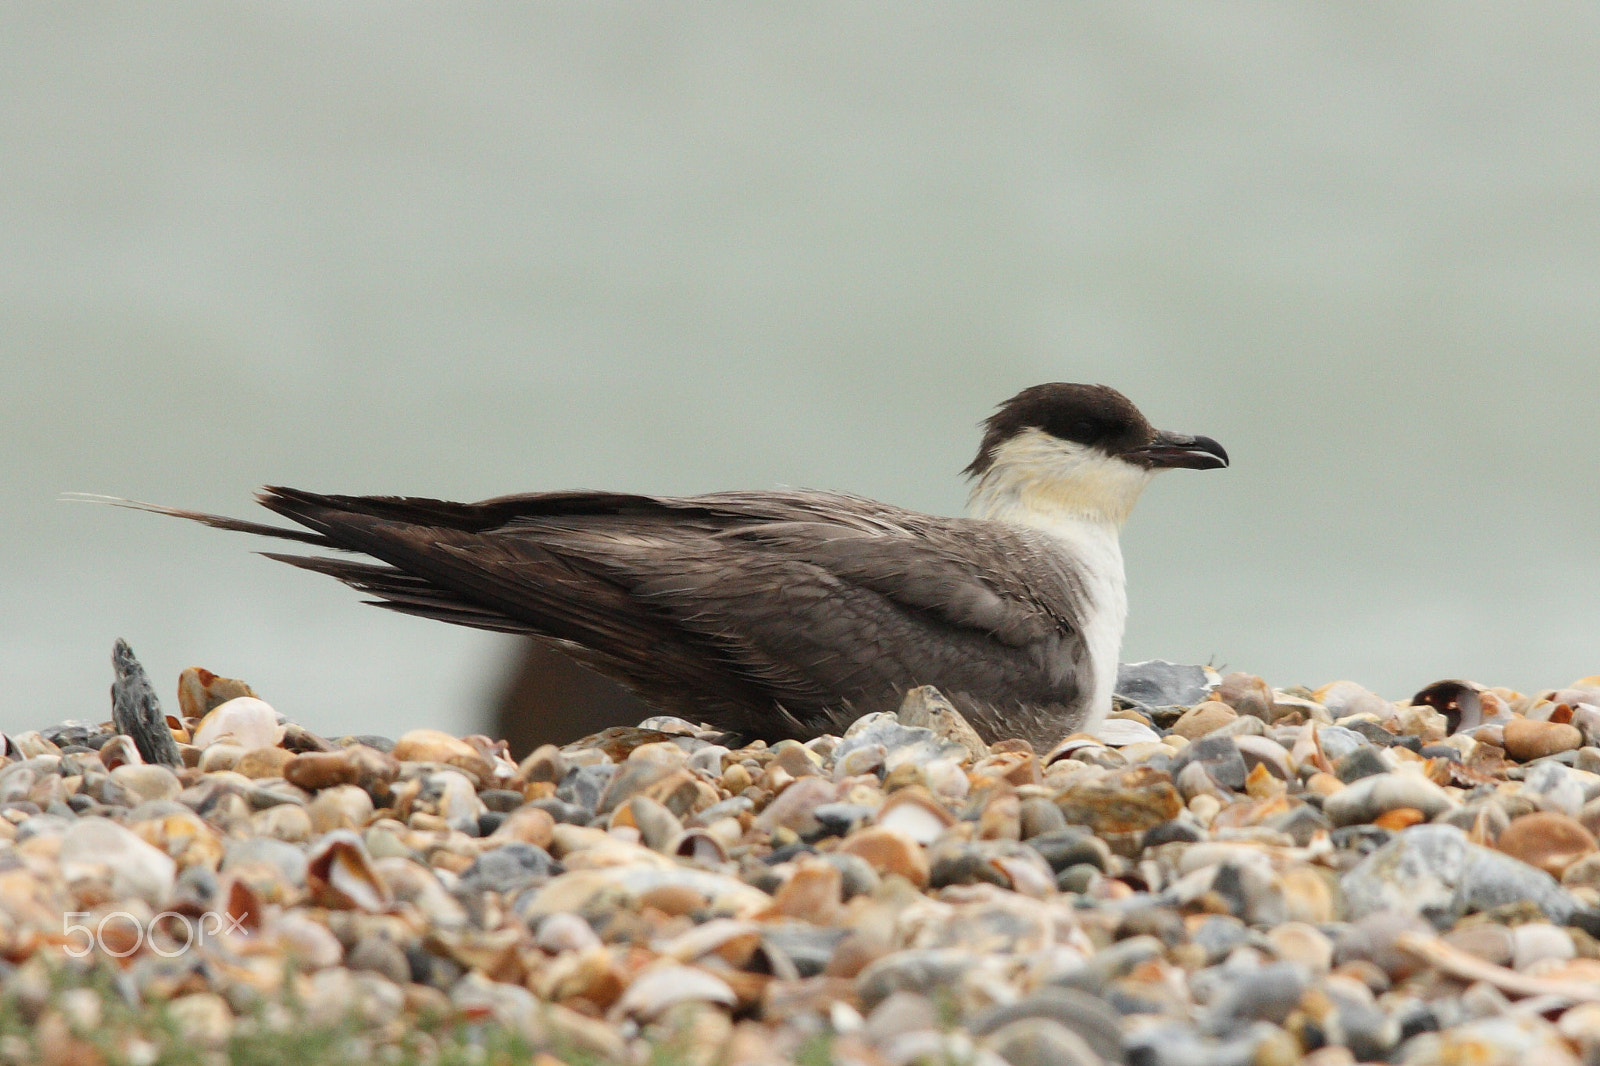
468 249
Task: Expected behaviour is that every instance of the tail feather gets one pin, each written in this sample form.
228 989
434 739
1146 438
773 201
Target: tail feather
406 593
215 521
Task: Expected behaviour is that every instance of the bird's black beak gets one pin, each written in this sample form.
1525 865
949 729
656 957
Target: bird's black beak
1166 450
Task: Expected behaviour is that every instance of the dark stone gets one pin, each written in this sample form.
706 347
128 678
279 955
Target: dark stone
1361 839
1440 751
787 852
1229 886
1173 832
489 821
1416 1017
1363 762
1372 731
503 800
838 819
1062 848
136 712
583 785
967 865
1157 683
69 734
371 740
562 811
429 969
1410 743
1587 920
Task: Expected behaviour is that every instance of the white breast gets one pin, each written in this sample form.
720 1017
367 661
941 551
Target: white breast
1079 498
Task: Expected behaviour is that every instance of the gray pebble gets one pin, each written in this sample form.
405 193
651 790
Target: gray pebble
288 858
924 971
1041 1042
1089 1016
1365 761
1432 870
1268 993
1219 755
380 955
860 879
1070 846
1157 683
1337 741
508 868
1040 816
1368 797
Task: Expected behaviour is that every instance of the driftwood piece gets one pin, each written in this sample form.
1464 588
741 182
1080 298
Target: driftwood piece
135 711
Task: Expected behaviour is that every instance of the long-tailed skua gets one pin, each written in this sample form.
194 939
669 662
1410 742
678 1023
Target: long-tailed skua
790 613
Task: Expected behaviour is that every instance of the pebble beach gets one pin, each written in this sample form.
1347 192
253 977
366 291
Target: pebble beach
1223 873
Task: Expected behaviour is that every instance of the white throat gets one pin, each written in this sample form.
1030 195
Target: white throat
1080 497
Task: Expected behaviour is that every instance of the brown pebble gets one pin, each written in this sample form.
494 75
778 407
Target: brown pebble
1203 718
201 691
1399 818
673 899
889 852
1527 739
529 825
1261 783
545 764
339 807
1323 784
1129 802
433 745
1548 840
1309 896
263 762
814 893
314 770
1247 694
